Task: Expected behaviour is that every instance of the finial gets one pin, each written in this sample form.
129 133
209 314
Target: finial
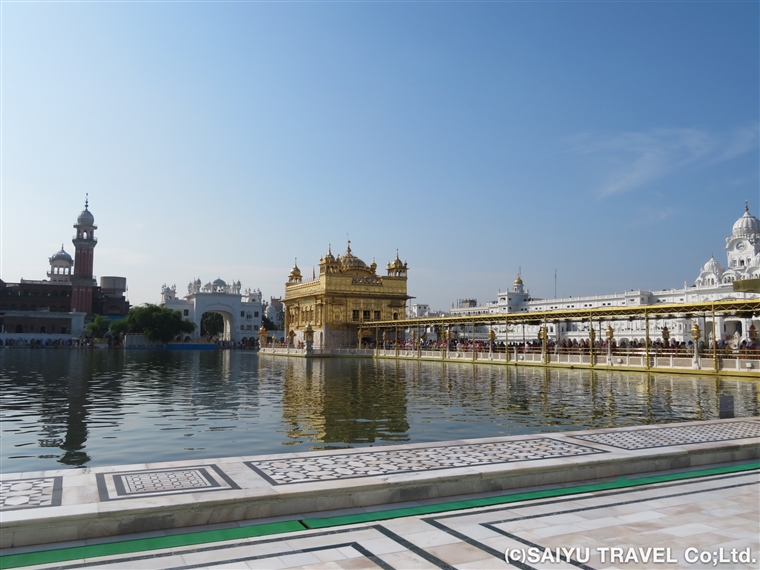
746 205
61 246
329 248
86 200
295 262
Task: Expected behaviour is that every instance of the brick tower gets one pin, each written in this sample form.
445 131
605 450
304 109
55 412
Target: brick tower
82 282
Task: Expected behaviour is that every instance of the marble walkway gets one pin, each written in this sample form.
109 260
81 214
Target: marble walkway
691 510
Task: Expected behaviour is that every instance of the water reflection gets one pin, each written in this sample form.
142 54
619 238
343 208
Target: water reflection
352 405
75 408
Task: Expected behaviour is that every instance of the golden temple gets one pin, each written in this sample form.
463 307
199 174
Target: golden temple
343 299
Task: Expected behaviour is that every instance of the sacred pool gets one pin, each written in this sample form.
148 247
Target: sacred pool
112 407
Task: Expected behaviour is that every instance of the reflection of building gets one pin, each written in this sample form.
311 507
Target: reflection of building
713 284
346 294
60 305
241 311
275 312
321 403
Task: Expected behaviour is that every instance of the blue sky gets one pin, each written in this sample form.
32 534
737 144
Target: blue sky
614 142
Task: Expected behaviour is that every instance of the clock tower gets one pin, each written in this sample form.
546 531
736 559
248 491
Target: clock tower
744 243
82 281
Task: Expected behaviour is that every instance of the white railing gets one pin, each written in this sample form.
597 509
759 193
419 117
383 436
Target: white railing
630 358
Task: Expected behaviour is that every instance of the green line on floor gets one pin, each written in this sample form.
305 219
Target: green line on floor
145 544
203 537
622 483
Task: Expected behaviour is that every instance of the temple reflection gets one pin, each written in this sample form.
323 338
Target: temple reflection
363 406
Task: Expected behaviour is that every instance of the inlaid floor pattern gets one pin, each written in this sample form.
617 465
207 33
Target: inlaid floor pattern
706 513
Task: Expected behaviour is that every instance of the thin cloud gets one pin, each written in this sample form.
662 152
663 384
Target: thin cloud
630 160
652 216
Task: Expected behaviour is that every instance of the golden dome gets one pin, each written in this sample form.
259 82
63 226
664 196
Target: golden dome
518 280
349 261
329 258
295 273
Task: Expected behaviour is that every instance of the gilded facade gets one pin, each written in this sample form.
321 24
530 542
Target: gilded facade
346 294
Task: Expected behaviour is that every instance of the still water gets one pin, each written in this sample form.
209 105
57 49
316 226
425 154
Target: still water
106 407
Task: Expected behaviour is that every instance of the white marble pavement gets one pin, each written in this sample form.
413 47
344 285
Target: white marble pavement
65 505
709 521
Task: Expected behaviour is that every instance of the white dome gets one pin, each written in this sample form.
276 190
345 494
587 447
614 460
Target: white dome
219 283
86 218
747 226
712 266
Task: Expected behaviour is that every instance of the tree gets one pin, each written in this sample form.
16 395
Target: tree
212 324
98 327
157 323
269 325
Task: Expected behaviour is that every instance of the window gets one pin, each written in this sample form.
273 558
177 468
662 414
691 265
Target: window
255 327
186 312
365 315
242 327
377 315
355 315
63 330
255 313
248 327
242 313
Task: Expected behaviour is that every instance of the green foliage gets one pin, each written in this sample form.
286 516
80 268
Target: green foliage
98 327
155 322
212 324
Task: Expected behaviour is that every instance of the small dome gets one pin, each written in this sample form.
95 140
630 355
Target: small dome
747 226
518 280
295 273
329 258
219 283
61 256
397 264
712 266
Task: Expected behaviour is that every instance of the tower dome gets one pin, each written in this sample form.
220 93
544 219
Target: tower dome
295 274
747 226
329 258
62 256
219 283
86 218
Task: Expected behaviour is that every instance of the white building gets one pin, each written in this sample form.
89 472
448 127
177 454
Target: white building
422 311
241 311
713 284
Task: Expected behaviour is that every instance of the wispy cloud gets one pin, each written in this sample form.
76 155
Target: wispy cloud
652 216
630 160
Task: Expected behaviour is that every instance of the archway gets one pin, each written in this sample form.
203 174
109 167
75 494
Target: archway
215 323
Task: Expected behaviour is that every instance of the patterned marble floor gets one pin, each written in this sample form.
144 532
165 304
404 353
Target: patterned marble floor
677 521
291 469
328 467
